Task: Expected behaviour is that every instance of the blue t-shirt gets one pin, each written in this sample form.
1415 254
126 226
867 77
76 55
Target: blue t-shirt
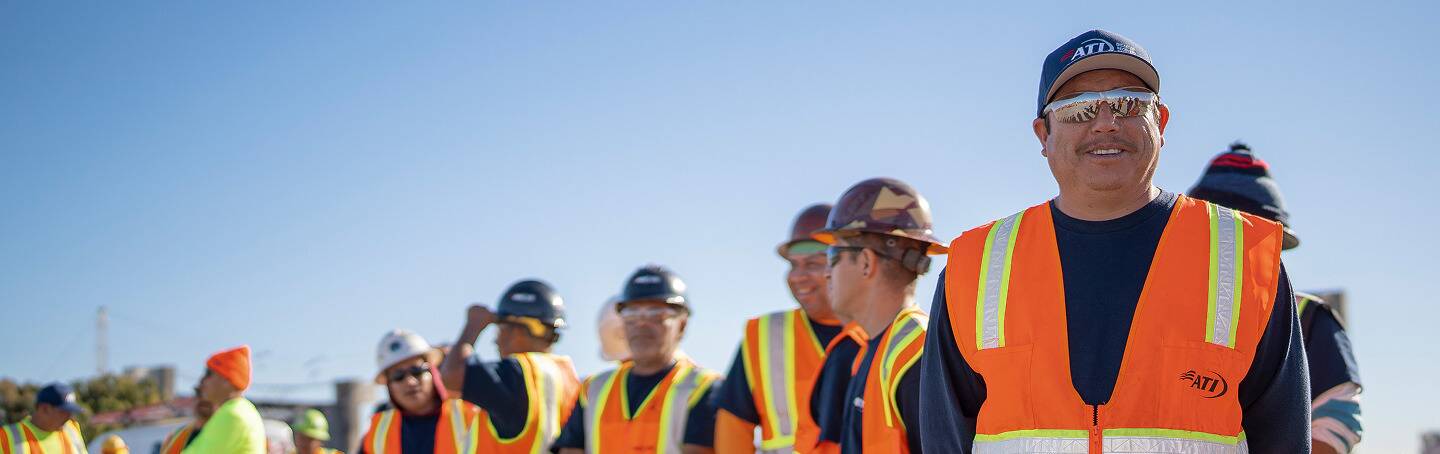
1104 264
498 387
827 398
699 423
907 398
735 396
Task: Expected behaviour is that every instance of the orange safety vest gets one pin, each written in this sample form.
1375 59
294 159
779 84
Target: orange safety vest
807 435
1205 304
454 432
17 438
657 428
900 348
781 351
177 439
551 386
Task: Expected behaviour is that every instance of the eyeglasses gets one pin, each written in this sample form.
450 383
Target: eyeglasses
418 371
1085 106
833 253
635 313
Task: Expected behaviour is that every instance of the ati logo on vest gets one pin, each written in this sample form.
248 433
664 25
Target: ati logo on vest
1209 385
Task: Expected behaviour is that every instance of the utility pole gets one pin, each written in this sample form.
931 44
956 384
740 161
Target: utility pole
102 347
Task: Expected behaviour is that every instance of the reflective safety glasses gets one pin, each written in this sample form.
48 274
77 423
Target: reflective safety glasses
418 371
635 313
1085 106
833 253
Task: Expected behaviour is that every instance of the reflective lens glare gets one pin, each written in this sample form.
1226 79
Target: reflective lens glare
1085 106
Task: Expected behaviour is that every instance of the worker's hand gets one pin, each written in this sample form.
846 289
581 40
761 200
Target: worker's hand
477 318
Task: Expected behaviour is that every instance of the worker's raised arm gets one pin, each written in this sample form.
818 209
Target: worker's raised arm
452 370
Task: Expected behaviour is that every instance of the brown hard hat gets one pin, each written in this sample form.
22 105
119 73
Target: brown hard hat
883 206
811 219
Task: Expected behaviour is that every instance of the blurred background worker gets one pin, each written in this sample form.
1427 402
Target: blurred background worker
612 332
51 429
113 444
180 438
421 418
880 242
528 393
236 426
1238 180
769 381
311 430
657 401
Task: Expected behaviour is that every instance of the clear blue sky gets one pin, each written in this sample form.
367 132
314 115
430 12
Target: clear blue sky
303 177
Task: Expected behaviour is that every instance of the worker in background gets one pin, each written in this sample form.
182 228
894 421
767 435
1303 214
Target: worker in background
51 429
181 437
656 402
527 394
769 382
1238 180
422 418
611 331
236 426
880 242
311 430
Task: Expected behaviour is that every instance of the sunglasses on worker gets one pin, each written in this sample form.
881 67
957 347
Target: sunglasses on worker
636 313
418 371
1084 106
833 253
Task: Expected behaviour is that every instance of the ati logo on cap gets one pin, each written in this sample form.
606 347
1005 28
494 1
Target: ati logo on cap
1092 46
1209 385
523 297
647 279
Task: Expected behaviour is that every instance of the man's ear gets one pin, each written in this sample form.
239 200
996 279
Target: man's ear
1164 120
1041 132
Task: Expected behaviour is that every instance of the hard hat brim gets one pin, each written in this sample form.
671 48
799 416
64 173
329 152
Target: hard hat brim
933 246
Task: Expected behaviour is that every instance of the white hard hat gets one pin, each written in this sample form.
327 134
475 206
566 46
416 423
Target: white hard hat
400 345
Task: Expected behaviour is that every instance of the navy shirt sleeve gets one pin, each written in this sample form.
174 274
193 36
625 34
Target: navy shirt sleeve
953 391
734 395
907 398
1275 394
573 434
498 387
1327 348
827 400
700 423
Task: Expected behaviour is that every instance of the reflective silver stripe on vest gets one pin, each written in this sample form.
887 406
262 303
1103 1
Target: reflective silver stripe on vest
676 408
993 286
549 382
382 432
910 325
779 371
593 395
77 443
1226 263
17 439
1112 444
457 426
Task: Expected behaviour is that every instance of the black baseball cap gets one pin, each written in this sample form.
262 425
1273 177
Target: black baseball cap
59 395
1092 50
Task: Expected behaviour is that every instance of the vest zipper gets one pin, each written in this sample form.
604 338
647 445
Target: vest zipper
1097 441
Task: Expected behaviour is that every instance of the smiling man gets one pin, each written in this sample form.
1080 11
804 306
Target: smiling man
657 401
771 377
1116 317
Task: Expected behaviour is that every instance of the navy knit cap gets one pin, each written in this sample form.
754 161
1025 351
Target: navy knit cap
1238 180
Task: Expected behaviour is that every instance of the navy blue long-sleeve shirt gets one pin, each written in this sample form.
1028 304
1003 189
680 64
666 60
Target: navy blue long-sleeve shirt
498 387
1104 264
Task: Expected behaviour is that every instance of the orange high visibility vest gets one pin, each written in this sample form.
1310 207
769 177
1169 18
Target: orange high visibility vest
658 425
177 439
454 432
807 435
17 438
551 386
900 348
1205 304
781 354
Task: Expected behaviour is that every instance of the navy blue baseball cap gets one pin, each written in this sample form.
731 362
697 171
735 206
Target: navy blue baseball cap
58 395
1092 50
